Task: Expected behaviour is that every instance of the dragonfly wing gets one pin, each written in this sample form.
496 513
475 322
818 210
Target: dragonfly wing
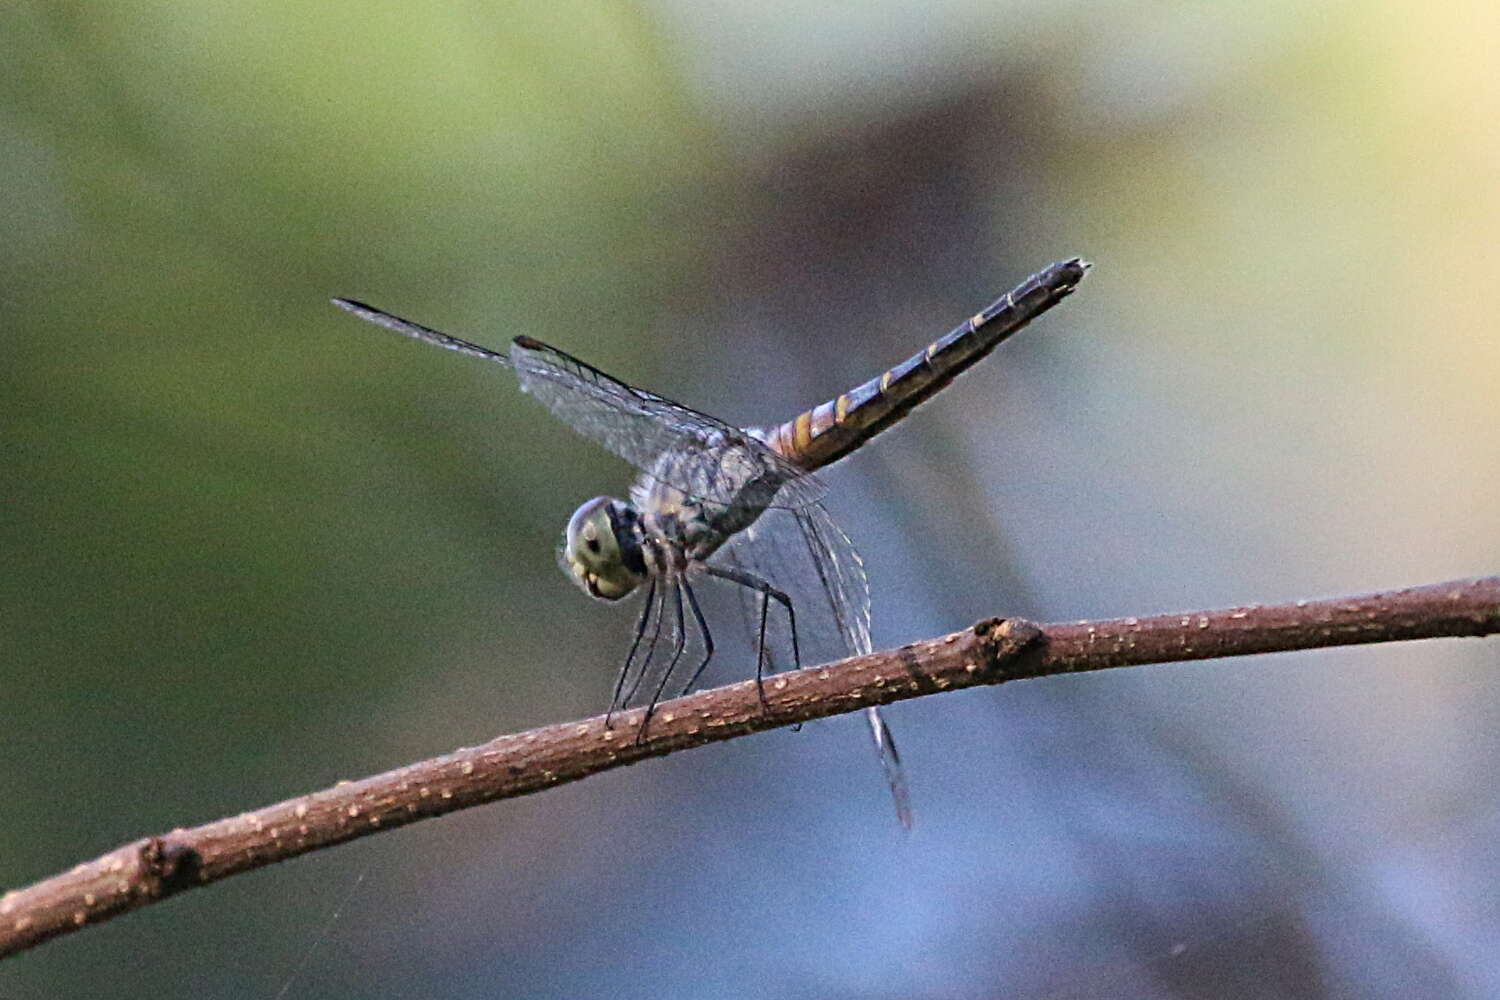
416 330
890 761
841 573
691 451
807 554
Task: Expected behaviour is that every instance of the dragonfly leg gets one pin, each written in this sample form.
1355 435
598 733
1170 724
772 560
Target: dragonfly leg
708 639
661 614
768 594
679 638
760 652
640 630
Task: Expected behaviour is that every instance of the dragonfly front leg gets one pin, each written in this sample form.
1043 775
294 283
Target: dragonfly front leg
661 614
679 632
768 594
640 630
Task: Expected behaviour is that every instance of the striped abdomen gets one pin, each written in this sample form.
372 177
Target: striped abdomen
831 430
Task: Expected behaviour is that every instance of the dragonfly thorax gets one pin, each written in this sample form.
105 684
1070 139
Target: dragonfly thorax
602 550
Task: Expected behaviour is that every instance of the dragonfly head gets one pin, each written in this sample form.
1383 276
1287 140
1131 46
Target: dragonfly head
601 550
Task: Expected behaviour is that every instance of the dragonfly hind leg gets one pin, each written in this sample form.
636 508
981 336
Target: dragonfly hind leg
708 639
768 594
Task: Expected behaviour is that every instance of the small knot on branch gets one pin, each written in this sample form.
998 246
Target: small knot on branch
169 868
1004 644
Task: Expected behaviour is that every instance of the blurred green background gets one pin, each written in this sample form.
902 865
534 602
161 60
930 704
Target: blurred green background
252 546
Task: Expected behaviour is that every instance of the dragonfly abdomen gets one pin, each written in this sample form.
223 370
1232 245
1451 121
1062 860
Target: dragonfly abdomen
831 430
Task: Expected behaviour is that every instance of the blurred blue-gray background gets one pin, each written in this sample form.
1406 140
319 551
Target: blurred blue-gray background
252 546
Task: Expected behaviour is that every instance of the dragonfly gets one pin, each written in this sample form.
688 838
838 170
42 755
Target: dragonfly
707 493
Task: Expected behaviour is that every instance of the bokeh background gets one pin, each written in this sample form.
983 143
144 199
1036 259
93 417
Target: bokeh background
252 546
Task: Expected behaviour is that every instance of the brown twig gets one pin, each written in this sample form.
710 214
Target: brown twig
991 652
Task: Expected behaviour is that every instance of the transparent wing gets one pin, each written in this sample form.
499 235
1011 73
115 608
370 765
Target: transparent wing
698 454
805 553
674 444
416 330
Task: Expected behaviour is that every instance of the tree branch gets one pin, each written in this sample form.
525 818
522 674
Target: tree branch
991 652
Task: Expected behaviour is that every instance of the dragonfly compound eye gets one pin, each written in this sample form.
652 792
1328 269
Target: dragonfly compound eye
592 551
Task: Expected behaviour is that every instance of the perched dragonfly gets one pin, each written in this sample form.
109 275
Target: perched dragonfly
700 506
